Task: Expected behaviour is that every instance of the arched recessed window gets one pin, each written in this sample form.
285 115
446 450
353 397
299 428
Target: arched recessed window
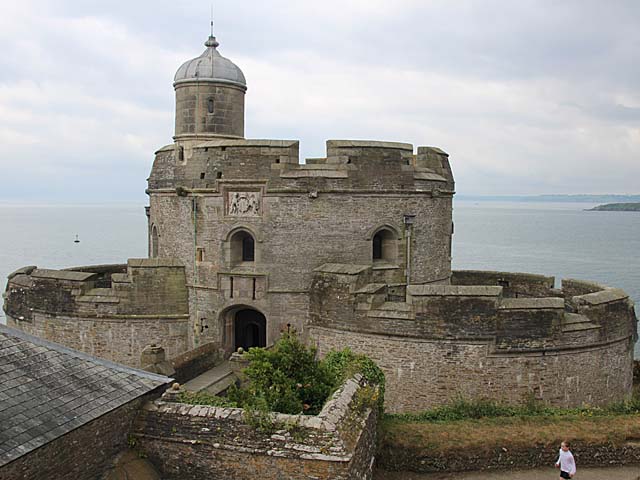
210 105
154 241
384 246
242 247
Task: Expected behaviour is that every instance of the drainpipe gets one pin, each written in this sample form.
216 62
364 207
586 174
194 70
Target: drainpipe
409 220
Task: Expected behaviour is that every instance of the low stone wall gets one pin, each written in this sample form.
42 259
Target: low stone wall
190 364
513 284
195 442
146 305
421 374
84 453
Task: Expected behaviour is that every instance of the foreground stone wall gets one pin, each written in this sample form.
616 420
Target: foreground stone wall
194 442
452 340
85 453
109 314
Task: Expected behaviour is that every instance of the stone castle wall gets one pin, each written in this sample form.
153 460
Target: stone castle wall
194 442
303 216
103 311
451 340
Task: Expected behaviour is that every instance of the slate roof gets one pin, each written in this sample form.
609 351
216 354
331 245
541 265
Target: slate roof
47 390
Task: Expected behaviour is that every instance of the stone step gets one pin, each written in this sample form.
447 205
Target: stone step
574 322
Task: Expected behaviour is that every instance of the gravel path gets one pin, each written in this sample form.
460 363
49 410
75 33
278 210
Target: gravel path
618 473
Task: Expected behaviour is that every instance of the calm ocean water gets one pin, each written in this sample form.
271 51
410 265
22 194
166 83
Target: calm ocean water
559 239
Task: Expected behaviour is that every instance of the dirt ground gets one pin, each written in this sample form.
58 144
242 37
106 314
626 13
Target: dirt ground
619 473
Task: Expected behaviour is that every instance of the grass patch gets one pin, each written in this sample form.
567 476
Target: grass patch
485 425
512 433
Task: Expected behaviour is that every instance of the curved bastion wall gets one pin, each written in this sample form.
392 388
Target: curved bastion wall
508 337
110 311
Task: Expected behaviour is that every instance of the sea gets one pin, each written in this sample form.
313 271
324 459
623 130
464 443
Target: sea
561 239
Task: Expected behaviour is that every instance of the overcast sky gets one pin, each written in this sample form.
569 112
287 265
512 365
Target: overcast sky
526 96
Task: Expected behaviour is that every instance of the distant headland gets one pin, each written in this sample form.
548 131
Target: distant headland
575 198
617 207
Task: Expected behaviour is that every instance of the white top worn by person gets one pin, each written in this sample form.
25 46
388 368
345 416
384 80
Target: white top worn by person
566 462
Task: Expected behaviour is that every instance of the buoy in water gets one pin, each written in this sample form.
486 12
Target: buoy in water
76 240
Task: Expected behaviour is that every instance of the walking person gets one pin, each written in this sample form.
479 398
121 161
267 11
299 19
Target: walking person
566 463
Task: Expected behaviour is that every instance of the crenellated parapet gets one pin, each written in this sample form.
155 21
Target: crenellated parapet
112 311
516 345
348 165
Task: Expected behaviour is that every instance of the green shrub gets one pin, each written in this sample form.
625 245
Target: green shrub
286 378
344 364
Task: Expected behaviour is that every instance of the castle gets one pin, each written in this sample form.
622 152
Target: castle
353 249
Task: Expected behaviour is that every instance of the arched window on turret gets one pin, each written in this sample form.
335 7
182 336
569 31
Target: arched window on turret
154 242
242 248
384 246
210 105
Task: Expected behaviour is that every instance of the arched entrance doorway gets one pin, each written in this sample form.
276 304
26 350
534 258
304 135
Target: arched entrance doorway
250 329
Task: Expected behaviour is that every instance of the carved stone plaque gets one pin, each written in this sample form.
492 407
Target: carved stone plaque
244 204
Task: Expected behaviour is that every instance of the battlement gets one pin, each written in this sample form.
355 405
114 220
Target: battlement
513 315
348 165
111 311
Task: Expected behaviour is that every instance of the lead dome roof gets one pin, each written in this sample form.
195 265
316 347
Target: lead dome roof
210 67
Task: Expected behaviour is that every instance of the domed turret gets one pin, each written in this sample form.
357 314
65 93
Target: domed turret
210 93
210 67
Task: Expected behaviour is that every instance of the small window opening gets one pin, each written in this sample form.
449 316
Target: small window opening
200 254
202 176
377 247
348 160
224 149
181 154
210 105
277 160
206 149
248 249
254 288
230 287
218 175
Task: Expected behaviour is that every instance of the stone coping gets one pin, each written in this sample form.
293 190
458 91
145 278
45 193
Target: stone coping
607 295
62 275
154 262
342 268
523 275
532 303
437 150
249 142
454 291
429 176
368 144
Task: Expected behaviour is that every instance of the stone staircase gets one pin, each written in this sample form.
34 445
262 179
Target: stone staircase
213 381
574 322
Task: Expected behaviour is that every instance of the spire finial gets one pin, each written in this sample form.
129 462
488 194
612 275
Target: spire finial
211 41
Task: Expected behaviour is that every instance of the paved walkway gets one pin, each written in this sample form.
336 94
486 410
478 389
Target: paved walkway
617 473
214 381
